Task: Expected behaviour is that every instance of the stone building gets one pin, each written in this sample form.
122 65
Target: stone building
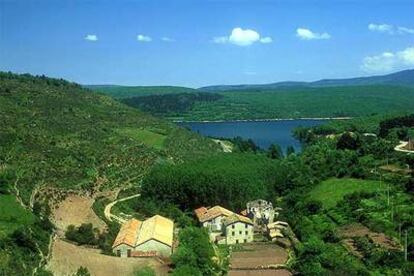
151 237
261 212
238 229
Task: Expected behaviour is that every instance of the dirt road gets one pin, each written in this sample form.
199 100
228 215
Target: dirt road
111 217
401 147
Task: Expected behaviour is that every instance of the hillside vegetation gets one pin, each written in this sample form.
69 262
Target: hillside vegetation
283 103
331 191
121 92
402 78
53 133
57 136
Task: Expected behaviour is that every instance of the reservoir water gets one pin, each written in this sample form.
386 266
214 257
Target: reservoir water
263 133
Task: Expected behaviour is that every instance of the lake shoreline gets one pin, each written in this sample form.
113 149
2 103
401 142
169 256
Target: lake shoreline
263 120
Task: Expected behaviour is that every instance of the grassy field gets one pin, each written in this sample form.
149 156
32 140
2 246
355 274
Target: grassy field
331 191
147 137
12 214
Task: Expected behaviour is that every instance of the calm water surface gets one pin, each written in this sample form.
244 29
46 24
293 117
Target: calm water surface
263 133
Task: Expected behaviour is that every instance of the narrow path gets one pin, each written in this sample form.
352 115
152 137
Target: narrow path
111 217
401 147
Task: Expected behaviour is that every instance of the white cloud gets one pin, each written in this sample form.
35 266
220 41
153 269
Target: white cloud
242 37
382 28
407 56
405 30
390 29
266 39
143 38
167 39
91 37
389 61
307 34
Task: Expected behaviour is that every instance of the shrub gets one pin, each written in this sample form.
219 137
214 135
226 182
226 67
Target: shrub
84 234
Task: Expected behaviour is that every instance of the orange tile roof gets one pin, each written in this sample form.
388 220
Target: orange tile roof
128 233
200 212
158 228
135 232
213 213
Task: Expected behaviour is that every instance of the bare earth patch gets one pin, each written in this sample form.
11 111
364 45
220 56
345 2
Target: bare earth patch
76 209
359 230
67 258
256 258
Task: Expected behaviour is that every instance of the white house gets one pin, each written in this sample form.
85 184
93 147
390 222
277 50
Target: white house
238 229
224 226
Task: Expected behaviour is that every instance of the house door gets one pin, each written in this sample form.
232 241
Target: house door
129 253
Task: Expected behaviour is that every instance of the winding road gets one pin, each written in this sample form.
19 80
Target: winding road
111 217
401 147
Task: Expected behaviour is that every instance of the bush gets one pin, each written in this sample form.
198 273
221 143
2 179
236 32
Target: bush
82 271
84 234
194 253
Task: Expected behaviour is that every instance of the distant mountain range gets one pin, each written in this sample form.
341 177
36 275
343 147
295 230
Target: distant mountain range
402 78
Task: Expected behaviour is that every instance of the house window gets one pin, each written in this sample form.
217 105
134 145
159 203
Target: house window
245 241
246 225
118 253
232 226
237 241
232 233
240 232
247 233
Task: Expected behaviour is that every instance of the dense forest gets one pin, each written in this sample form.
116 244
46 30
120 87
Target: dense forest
172 105
123 92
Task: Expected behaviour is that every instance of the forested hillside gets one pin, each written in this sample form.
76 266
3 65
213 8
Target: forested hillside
121 92
402 78
54 133
282 103
56 136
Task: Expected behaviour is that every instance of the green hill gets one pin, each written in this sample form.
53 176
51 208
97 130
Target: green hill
281 103
118 91
57 134
402 78
56 137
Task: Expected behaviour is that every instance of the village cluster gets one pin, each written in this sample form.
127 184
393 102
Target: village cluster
155 236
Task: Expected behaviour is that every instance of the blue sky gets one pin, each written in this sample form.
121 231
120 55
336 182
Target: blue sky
201 42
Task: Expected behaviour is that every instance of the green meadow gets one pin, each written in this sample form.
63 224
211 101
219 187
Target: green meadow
331 191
